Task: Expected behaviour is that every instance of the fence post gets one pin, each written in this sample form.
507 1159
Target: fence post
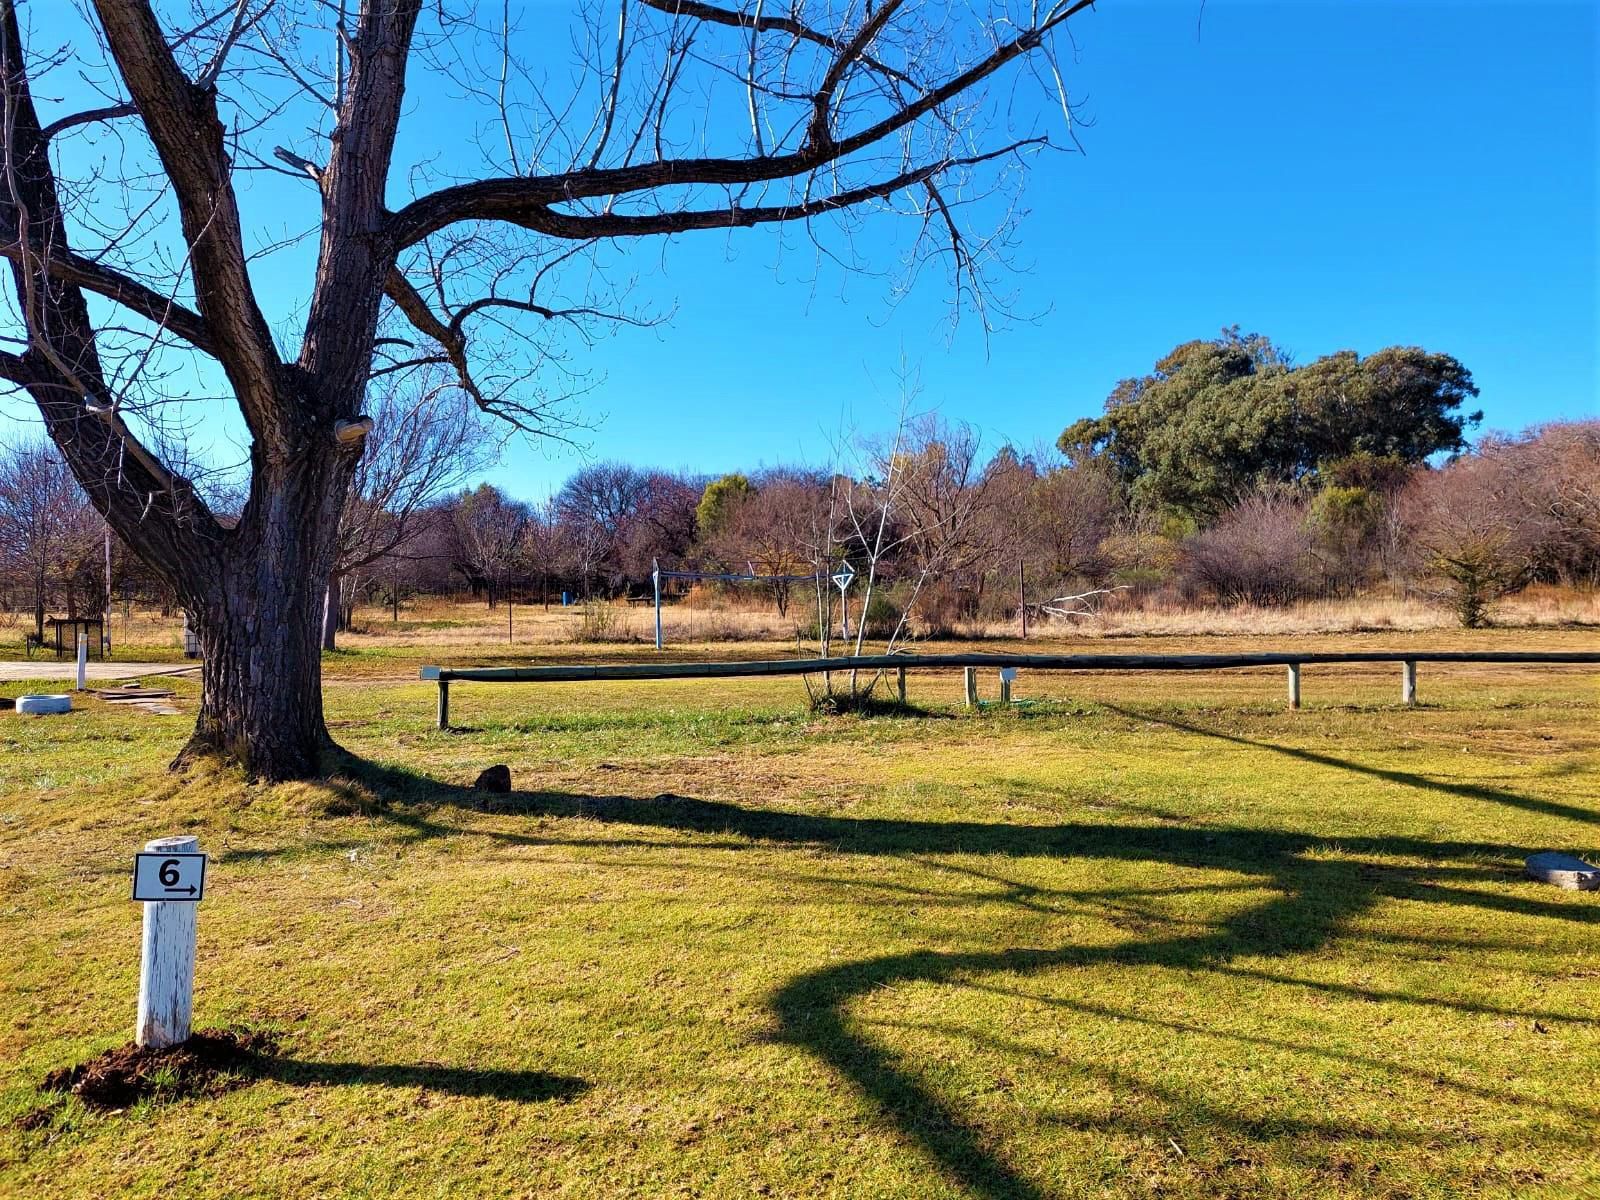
83 658
166 964
444 704
1408 683
900 685
1294 685
970 681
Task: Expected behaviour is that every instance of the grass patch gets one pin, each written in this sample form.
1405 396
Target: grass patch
1143 936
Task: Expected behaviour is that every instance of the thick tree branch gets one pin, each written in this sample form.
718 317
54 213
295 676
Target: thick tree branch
109 113
614 225
150 304
181 119
353 254
61 369
525 201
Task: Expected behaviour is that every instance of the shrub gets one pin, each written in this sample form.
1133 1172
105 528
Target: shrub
1473 536
1259 553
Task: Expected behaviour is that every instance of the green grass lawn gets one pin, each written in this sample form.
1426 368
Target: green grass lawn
1142 936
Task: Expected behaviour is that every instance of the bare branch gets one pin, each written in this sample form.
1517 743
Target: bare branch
520 201
113 285
109 113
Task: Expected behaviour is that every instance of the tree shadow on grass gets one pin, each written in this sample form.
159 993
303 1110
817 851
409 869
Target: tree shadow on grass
1315 896
1466 791
528 1087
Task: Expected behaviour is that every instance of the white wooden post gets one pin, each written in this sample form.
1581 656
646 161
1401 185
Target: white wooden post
1294 685
444 704
970 682
900 685
1408 683
83 659
166 966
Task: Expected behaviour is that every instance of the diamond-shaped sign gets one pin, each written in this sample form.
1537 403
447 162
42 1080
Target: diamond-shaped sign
843 576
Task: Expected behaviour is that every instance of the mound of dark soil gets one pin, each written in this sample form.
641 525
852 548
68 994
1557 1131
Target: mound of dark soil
212 1061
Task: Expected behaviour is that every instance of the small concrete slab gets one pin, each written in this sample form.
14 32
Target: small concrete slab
1564 871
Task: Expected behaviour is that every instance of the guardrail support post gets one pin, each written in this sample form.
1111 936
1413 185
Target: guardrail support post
1294 685
900 685
444 704
969 678
1408 683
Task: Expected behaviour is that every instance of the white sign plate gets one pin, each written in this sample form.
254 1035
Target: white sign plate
179 877
845 574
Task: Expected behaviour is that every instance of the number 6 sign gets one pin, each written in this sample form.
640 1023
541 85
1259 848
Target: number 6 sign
170 876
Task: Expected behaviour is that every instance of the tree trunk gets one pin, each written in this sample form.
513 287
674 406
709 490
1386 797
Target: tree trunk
330 612
259 609
261 677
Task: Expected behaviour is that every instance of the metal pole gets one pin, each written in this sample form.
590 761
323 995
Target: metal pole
1022 596
83 657
655 579
166 964
105 629
444 704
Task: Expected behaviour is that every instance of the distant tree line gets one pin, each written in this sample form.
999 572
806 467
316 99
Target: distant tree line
1227 475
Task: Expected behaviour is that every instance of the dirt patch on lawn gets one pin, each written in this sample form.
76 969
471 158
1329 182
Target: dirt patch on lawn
212 1061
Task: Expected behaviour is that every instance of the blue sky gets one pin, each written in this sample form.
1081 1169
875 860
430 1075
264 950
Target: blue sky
1354 174
1340 175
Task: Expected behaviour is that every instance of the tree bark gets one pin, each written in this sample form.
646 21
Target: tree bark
259 610
261 680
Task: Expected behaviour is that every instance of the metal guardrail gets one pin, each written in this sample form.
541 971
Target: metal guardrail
901 663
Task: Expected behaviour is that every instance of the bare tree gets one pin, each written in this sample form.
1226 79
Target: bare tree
1473 532
421 446
944 495
599 506
764 532
47 529
490 529
1075 510
840 108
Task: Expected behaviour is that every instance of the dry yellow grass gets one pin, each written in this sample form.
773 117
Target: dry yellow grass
450 627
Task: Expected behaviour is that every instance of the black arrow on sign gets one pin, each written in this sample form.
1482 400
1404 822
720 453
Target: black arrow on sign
190 889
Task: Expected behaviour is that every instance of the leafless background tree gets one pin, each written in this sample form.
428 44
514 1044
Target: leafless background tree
423 444
48 534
